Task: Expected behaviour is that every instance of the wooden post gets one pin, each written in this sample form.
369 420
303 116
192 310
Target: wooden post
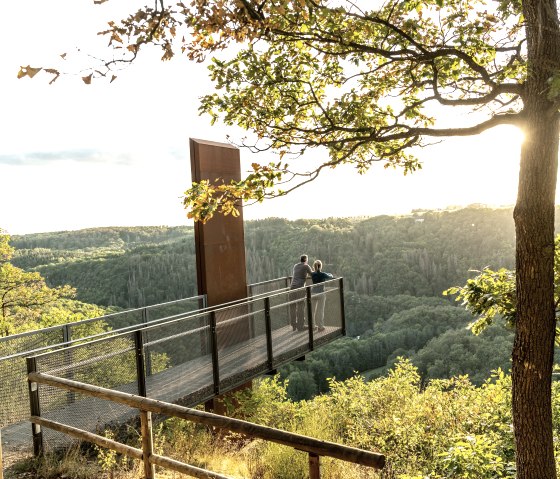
314 466
35 408
147 444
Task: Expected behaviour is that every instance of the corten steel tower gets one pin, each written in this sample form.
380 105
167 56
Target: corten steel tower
220 243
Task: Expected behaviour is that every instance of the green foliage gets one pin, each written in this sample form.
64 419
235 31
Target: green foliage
361 83
433 336
394 268
358 83
472 457
458 352
492 294
420 255
24 296
106 458
446 429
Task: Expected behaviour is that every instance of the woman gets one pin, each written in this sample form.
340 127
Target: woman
319 297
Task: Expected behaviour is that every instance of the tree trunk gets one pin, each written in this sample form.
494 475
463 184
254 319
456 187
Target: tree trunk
533 347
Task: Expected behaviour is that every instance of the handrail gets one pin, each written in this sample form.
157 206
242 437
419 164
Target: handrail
314 447
73 324
111 335
11 337
131 328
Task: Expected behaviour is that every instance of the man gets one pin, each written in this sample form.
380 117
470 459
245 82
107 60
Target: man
297 302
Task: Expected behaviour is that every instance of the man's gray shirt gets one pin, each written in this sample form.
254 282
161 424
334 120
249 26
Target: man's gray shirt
301 270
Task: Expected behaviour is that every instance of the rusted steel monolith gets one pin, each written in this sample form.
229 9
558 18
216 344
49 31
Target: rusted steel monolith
220 245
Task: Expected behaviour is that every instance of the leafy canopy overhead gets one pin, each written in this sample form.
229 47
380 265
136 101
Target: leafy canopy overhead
362 80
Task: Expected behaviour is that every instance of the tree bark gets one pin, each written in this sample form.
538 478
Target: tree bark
533 348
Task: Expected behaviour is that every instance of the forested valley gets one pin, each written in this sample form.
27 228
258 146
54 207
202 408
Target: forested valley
395 270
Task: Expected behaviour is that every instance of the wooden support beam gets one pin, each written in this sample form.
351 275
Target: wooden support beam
128 450
88 436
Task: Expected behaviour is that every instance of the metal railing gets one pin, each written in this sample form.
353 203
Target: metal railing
15 348
313 447
13 371
64 333
187 360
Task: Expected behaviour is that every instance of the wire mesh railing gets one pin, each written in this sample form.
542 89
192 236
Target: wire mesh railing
13 350
268 286
63 333
187 360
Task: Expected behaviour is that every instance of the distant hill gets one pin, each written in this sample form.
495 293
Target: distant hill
119 266
419 254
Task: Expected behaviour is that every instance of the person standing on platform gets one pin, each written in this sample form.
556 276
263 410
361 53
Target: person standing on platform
319 297
297 304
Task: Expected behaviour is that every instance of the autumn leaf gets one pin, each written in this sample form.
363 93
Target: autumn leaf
87 79
28 71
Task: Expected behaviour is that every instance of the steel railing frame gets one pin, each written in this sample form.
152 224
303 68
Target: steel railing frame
138 334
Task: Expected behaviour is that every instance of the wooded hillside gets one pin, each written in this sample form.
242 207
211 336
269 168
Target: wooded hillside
421 254
395 270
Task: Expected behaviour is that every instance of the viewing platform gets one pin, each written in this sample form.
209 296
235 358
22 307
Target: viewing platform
181 352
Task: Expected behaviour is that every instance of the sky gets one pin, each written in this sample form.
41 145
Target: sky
75 156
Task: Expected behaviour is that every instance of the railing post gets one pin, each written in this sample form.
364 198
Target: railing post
140 370
309 316
147 355
66 338
214 346
35 408
314 466
147 444
1 459
342 315
268 325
